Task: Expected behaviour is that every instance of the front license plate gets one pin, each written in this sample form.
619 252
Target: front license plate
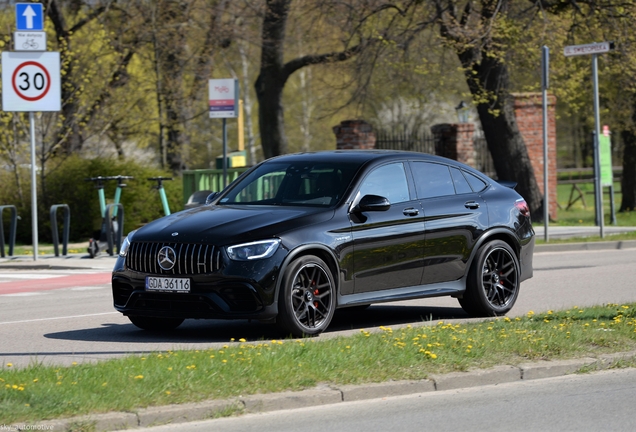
167 284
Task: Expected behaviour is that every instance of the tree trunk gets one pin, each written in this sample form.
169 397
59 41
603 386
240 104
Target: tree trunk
628 182
505 143
489 83
271 79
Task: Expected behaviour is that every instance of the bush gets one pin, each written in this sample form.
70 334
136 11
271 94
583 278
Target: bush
66 184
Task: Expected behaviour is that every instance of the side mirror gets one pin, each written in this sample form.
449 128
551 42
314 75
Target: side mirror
372 203
211 198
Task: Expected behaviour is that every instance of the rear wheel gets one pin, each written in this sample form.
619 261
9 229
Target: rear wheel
155 323
493 281
308 297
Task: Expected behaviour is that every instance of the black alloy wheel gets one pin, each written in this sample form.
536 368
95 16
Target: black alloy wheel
308 297
493 281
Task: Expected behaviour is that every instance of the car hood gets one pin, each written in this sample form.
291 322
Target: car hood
230 224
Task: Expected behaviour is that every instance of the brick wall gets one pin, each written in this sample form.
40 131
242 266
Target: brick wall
455 141
529 114
354 134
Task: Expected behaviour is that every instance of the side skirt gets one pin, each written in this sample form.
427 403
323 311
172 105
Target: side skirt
454 289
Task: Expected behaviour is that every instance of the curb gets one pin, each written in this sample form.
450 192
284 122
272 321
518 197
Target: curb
328 394
585 246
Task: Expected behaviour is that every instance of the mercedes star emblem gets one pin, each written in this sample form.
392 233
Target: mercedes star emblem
166 258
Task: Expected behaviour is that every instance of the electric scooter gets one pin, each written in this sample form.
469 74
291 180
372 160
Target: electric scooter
162 193
97 245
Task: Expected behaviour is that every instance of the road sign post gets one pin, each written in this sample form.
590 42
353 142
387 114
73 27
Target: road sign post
31 82
594 49
545 68
223 100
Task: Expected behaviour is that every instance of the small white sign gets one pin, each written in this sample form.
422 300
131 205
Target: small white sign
223 98
31 81
29 41
594 48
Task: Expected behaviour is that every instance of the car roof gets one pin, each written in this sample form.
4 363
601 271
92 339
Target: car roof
364 156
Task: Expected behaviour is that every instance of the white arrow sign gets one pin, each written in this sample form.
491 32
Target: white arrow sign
29 14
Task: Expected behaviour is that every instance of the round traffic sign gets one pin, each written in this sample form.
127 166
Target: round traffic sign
31 81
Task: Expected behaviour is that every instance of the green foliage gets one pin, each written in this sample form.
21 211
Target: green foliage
67 184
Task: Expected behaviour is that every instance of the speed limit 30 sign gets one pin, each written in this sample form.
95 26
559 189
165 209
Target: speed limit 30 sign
31 81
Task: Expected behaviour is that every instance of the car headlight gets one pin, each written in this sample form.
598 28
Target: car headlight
253 250
123 250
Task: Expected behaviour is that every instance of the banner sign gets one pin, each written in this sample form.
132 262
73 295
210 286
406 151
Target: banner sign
223 97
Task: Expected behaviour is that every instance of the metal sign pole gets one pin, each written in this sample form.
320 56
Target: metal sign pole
545 57
224 152
34 193
597 134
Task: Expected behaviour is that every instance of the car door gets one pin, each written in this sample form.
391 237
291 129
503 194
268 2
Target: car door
387 245
454 217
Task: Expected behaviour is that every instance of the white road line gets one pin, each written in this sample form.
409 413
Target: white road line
57 318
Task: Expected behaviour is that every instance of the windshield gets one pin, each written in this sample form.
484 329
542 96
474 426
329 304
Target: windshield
293 183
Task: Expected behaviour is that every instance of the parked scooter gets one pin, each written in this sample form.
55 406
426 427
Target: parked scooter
162 193
109 224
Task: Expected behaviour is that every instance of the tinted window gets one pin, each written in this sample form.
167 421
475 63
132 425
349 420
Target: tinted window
432 180
388 181
461 185
475 182
296 183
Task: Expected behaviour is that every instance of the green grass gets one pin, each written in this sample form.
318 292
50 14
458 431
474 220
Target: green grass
584 215
42 392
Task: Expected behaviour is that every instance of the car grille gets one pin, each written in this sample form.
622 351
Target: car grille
190 259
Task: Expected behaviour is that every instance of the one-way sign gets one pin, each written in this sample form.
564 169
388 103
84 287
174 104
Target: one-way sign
593 48
29 16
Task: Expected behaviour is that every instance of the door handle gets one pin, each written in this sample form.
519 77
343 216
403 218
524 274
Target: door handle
471 205
410 212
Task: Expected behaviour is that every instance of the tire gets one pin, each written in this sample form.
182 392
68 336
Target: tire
155 323
307 299
493 283
93 248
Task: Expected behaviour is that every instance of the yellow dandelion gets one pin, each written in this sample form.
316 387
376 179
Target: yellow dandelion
138 377
242 340
9 364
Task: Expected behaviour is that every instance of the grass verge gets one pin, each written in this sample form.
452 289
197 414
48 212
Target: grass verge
42 392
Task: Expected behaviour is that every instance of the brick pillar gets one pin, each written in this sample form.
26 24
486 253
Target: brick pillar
529 114
455 141
354 134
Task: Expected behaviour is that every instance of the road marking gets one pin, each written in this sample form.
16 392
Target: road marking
58 318
30 276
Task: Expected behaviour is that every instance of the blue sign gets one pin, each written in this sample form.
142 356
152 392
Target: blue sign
29 16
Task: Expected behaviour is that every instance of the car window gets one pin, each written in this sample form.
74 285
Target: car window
314 184
475 182
432 180
461 185
388 181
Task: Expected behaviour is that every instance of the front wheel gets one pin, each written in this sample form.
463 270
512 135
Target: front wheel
493 281
155 323
308 297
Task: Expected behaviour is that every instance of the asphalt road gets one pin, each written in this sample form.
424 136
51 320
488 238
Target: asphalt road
601 401
60 323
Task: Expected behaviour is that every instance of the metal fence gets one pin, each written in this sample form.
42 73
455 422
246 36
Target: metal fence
424 142
417 141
